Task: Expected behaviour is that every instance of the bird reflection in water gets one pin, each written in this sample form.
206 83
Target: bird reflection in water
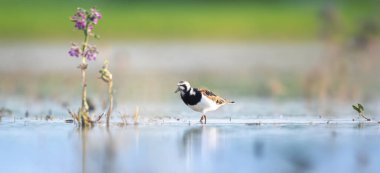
199 142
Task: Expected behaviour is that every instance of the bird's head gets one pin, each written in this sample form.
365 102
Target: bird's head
183 86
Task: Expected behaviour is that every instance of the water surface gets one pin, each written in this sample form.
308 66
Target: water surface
39 146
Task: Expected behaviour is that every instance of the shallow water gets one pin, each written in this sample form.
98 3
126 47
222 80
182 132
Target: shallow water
39 146
271 128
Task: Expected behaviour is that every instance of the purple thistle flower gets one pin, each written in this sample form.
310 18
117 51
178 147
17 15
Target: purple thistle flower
79 19
74 50
95 15
80 24
91 53
85 21
90 28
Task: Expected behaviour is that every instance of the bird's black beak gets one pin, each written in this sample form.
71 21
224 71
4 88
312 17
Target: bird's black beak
177 90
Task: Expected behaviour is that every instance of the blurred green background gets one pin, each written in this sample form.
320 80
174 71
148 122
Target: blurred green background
184 19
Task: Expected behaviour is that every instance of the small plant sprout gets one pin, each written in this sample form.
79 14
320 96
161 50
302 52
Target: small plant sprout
106 76
360 109
85 21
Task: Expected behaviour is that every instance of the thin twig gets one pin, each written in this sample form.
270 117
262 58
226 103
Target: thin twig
98 119
74 116
362 115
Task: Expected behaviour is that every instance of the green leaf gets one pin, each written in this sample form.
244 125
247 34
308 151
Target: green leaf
356 108
361 107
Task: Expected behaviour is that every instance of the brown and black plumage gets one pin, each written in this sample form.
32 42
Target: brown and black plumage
200 100
217 99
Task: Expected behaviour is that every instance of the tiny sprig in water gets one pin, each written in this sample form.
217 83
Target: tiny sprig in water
360 109
85 21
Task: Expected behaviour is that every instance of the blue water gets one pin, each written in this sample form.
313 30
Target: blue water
40 146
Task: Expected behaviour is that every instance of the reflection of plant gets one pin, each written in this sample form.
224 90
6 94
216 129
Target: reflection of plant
360 109
106 76
85 21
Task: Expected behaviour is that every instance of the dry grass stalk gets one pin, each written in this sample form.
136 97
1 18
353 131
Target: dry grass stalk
106 76
136 116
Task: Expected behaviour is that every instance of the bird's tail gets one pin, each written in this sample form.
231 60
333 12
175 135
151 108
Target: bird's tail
230 102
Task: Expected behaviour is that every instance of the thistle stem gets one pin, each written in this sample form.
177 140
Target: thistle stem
84 109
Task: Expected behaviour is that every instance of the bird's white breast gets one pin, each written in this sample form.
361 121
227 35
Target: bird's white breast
205 105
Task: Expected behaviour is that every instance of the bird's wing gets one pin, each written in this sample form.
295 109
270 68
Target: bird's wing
218 100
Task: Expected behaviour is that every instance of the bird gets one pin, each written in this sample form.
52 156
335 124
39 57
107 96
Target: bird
200 99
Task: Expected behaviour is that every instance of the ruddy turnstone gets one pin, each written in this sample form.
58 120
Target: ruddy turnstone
200 100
